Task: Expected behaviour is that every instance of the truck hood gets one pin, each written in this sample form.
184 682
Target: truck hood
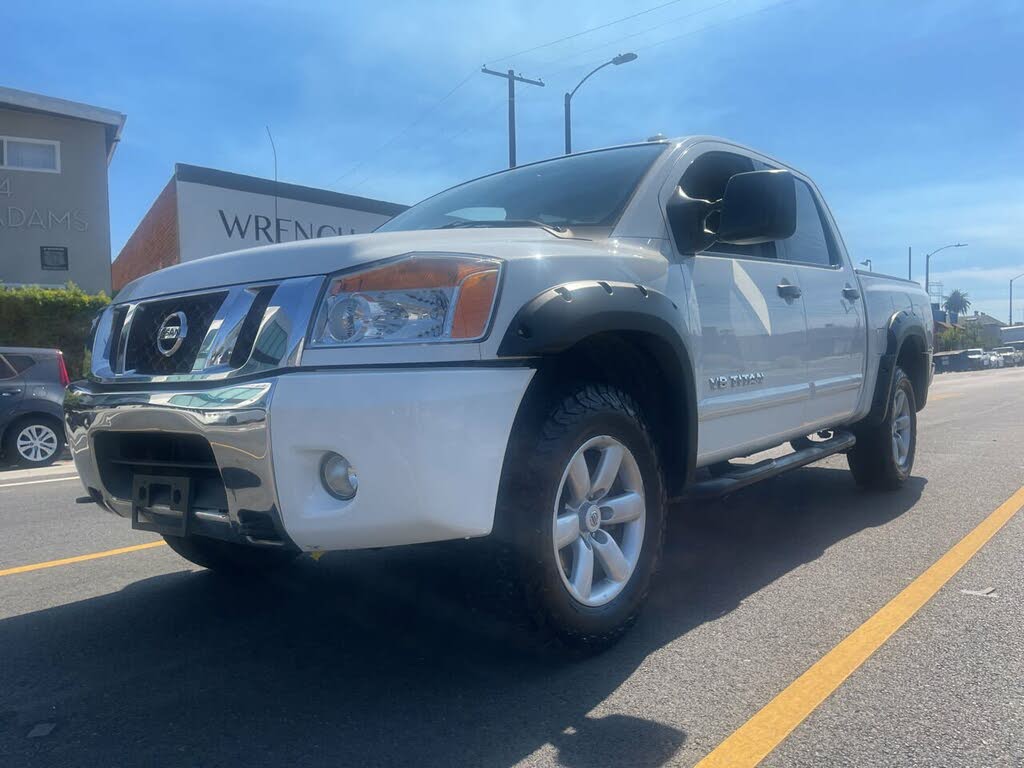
331 254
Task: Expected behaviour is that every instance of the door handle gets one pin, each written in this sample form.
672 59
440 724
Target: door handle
851 294
10 392
788 291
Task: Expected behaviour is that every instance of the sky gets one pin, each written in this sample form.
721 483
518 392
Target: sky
909 115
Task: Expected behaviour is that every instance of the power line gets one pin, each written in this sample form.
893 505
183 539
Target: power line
409 126
433 108
376 153
689 33
653 28
587 31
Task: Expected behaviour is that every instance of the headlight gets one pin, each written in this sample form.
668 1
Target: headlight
421 297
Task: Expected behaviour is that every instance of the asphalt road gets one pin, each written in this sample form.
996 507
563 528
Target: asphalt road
398 658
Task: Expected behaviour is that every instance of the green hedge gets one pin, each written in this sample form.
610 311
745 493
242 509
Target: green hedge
50 317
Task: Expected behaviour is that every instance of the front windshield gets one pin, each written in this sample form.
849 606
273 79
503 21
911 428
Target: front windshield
583 190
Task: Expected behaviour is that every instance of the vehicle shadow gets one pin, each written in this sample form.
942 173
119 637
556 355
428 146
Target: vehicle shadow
395 657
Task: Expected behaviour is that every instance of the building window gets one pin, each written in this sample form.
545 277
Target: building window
52 257
29 154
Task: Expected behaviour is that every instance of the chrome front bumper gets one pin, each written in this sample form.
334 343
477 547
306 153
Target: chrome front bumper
428 444
233 419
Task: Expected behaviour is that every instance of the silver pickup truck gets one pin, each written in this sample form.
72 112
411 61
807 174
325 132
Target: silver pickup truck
543 357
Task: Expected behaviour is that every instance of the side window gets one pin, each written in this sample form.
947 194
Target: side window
810 243
6 372
20 363
705 179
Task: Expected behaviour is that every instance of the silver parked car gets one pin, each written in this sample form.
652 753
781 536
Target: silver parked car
1008 355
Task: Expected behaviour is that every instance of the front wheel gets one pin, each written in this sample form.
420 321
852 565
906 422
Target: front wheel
583 502
884 453
227 558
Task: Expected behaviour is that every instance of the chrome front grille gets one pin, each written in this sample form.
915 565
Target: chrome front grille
227 332
142 352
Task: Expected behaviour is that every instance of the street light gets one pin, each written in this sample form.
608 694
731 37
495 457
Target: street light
867 263
622 58
1011 295
928 261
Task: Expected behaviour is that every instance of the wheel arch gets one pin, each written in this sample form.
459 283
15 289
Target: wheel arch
618 333
906 348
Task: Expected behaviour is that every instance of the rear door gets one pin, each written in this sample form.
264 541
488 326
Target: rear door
12 389
835 353
751 376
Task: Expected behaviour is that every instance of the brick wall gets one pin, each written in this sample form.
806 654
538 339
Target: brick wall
154 243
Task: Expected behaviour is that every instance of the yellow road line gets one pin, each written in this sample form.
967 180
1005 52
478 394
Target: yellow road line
943 396
763 732
33 482
80 558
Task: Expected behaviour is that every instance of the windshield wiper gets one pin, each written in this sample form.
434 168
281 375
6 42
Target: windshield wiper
468 223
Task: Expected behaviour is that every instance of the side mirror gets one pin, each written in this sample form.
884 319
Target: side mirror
687 220
758 207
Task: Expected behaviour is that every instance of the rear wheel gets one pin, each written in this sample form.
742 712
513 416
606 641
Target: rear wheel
884 454
34 442
583 504
227 558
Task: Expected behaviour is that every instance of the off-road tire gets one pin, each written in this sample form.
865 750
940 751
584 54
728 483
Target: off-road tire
538 455
230 559
873 459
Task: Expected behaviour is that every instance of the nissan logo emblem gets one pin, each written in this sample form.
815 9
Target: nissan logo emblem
171 333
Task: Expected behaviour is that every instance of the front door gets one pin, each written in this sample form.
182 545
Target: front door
752 380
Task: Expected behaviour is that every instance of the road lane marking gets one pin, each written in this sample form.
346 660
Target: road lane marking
33 482
946 396
763 732
81 558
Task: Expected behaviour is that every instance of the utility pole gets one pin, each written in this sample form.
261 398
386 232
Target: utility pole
1011 295
910 262
274 150
512 78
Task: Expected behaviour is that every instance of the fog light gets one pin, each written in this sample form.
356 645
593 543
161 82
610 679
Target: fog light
338 477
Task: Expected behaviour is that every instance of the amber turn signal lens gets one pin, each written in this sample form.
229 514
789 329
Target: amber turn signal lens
476 297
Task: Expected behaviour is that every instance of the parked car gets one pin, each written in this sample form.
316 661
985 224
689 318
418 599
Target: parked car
1008 356
32 383
977 359
543 356
950 362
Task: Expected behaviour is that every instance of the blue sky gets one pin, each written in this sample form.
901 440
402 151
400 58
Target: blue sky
908 114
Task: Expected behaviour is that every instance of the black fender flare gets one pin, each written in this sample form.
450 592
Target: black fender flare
564 315
902 326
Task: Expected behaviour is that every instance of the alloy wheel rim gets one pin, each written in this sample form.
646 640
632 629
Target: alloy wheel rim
901 429
599 520
36 442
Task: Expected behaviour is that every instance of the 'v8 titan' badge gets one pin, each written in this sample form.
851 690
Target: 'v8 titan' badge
736 380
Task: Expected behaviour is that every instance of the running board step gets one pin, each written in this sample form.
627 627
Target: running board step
740 476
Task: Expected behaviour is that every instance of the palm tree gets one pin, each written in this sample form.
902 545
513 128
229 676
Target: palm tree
957 303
